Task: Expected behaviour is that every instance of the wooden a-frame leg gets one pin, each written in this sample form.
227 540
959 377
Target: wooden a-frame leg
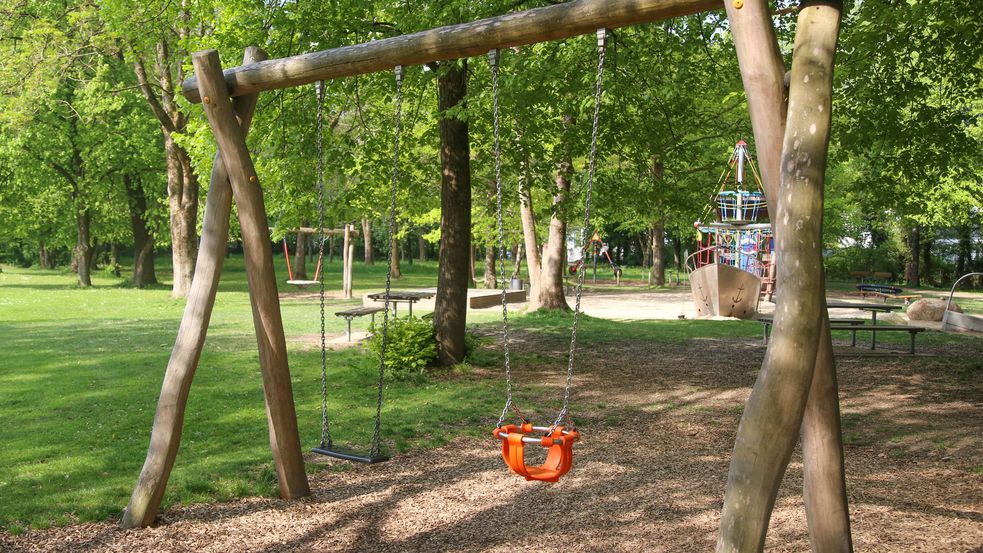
169 419
277 389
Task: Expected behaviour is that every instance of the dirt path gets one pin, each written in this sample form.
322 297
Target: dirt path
648 476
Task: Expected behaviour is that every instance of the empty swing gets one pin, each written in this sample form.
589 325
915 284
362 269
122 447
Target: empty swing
557 438
327 446
301 283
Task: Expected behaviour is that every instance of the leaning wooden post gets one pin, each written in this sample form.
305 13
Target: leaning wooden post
351 276
169 419
346 291
774 413
281 415
763 71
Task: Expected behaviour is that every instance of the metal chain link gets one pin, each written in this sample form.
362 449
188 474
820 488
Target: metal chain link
493 58
325 422
601 45
389 265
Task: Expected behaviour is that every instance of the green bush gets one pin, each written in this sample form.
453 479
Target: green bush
411 346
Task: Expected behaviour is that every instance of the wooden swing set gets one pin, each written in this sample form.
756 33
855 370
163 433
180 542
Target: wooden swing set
230 97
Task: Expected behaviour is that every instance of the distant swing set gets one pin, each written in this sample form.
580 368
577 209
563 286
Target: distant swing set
229 98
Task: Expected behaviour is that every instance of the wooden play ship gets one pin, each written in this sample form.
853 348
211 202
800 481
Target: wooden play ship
734 261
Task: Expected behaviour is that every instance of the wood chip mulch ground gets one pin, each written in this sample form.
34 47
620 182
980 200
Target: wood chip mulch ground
658 424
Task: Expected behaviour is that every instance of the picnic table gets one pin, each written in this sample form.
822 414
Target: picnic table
873 308
401 296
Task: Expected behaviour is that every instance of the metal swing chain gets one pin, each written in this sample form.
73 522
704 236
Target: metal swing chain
325 422
400 72
602 47
493 58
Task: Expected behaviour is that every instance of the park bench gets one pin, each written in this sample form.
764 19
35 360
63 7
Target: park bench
355 312
767 321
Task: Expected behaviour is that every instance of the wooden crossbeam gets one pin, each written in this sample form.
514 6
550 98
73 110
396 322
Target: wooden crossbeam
451 42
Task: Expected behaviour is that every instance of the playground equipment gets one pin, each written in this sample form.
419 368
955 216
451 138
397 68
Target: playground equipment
963 321
734 257
327 446
767 431
557 438
597 247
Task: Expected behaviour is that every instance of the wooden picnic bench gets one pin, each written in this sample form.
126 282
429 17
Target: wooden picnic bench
767 321
853 326
911 330
884 296
354 313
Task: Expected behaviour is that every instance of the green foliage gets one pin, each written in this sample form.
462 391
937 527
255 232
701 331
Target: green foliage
410 346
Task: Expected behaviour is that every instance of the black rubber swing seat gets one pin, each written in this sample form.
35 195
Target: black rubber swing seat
350 455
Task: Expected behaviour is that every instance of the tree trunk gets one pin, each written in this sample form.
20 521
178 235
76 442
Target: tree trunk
964 253
450 309
551 294
44 257
528 216
911 272
490 280
300 254
367 241
331 249
394 253
517 261
644 250
183 201
767 432
926 265
114 258
658 252
421 244
472 281
144 271
84 252
182 182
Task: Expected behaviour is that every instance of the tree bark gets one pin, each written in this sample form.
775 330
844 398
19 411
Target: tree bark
551 295
300 254
421 244
911 272
926 265
490 278
527 214
472 282
367 241
394 254
450 310
144 270
44 257
964 255
182 182
658 252
84 252
767 433
517 260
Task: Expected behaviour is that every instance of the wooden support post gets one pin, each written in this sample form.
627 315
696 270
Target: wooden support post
351 257
281 415
169 419
346 283
774 413
476 38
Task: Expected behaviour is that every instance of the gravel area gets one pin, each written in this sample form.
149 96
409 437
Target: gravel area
658 424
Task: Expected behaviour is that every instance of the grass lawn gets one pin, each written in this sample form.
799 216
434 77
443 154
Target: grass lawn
80 371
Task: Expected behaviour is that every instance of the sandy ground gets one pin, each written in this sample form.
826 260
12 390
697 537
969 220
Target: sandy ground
658 427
